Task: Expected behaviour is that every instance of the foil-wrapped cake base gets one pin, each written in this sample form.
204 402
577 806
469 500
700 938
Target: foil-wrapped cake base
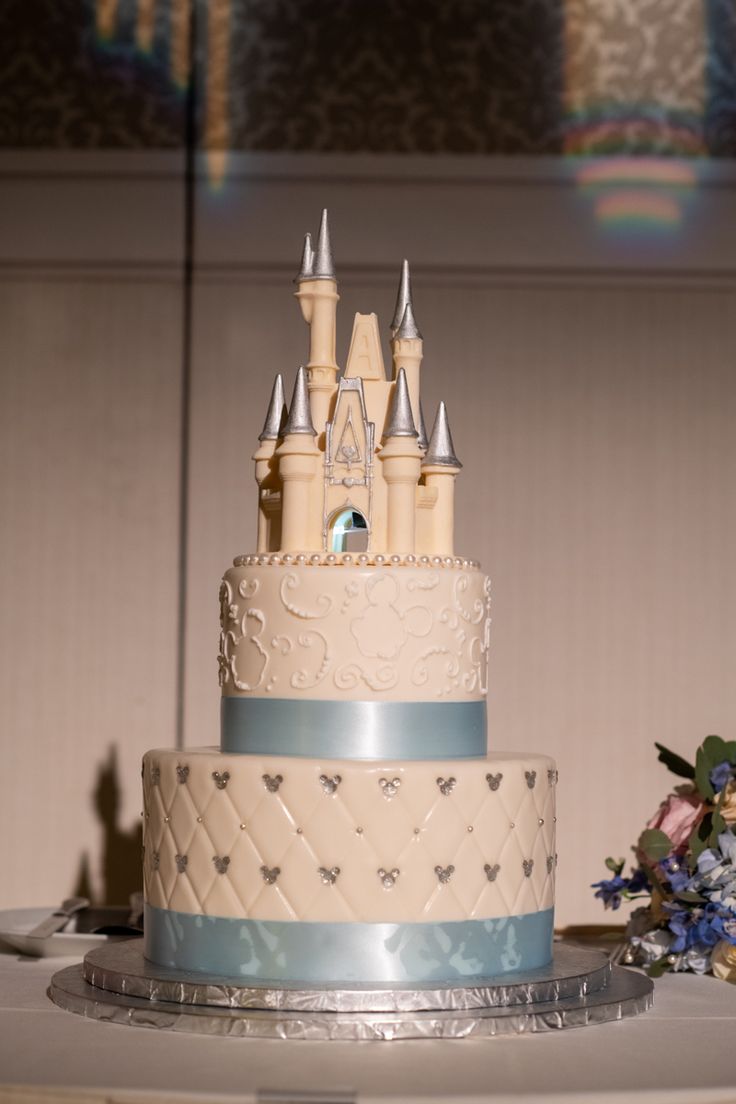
116 984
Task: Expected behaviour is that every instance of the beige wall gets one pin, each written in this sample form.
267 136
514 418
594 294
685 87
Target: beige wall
591 398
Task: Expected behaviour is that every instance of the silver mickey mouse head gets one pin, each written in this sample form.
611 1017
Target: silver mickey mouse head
221 864
552 776
181 863
494 781
531 779
528 865
221 780
329 785
272 784
388 877
446 785
550 863
329 877
491 871
270 874
155 860
182 773
390 786
444 873
155 775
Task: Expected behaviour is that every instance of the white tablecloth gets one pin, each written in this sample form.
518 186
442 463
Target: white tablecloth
684 1050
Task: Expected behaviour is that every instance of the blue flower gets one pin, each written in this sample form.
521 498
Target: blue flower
720 775
638 881
610 891
676 873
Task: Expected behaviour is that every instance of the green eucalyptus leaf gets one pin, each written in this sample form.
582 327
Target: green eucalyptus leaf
718 825
715 749
674 762
703 767
699 839
615 865
731 752
690 896
661 966
655 844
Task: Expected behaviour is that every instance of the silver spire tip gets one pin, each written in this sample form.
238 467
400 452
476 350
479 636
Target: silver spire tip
400 419
422 439
408 328
403 297
324 267
441 449
306 271
300 415
277 413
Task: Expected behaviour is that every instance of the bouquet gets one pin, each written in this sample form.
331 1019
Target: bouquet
685 871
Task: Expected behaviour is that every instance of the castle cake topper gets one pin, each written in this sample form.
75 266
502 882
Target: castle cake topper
348 467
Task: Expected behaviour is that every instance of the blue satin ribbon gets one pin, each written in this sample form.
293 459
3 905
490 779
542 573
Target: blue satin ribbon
338 953
354 729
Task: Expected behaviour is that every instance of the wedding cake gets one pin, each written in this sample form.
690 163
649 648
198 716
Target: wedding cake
351 827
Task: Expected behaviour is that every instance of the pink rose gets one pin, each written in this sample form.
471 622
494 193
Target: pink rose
677 816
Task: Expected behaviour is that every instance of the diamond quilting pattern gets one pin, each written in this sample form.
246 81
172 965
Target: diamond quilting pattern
206 846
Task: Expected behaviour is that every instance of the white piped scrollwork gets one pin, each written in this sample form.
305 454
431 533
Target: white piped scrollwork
410 634
301 679
291 582
351 675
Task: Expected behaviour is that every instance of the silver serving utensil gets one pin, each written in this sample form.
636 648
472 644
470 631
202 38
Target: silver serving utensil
59 918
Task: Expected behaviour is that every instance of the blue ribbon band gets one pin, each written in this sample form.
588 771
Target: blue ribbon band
354 729
283 951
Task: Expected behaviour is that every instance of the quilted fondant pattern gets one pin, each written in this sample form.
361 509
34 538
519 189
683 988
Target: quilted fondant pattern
299 839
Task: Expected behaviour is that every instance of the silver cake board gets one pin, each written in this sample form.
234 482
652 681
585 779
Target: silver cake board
115 983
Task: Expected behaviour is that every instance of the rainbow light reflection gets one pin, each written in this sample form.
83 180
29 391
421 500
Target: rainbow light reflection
637 140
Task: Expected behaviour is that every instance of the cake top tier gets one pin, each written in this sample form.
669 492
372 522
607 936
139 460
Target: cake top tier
348 467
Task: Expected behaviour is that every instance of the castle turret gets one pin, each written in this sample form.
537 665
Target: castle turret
401 461
318 298
266 476
299 461
406 342
439 468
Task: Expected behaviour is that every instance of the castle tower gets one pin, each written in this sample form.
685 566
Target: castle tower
439 468
401 462
318 298
406 340
299 461
269 498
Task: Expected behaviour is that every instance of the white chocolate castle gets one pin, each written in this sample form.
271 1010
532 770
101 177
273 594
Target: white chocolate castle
351 827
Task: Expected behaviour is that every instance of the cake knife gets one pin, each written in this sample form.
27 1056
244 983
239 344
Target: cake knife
59 918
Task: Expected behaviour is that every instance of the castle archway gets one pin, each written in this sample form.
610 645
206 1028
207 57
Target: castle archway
347 531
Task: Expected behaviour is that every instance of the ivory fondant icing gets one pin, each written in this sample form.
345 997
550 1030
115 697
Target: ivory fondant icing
409 841
351 826
344 632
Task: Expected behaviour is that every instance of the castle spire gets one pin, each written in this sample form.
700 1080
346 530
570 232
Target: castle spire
300 418
306 271
403 297
441 450
422 440
400 419
324 268
408 329
439 469
277 413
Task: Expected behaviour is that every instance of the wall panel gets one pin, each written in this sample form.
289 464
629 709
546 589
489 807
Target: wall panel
90 413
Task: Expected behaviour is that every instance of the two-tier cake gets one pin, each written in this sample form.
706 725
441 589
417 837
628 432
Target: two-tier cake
351 828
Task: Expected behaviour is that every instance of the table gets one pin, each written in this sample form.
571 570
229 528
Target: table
682 1051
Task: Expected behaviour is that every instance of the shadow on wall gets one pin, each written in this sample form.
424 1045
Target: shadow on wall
122 873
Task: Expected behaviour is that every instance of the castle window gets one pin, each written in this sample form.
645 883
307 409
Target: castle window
348 531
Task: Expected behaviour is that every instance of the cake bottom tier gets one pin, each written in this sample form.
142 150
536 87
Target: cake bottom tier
300 870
